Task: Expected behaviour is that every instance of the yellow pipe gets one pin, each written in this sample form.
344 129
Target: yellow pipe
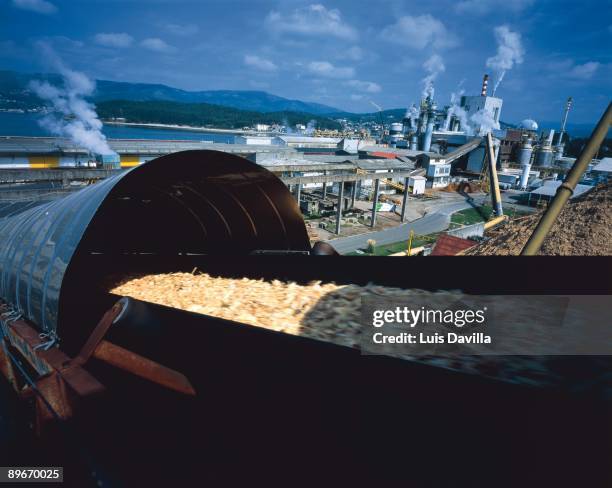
413 251
42 162
129 160
495 195
495 221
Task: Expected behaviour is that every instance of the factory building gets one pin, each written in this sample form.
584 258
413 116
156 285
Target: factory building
489 107
437 170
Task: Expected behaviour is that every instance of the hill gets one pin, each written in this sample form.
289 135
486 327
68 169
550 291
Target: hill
14 86
203 114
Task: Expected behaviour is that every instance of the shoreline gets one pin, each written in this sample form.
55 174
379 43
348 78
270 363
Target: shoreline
190 128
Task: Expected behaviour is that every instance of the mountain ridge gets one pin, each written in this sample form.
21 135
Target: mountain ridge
15 84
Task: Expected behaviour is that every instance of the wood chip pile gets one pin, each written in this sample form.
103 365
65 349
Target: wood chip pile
329 312
584 228
324 311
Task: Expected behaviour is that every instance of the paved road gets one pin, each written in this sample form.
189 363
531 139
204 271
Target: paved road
436 221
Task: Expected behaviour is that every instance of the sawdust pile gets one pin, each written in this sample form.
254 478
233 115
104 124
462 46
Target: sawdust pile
584 228
324 311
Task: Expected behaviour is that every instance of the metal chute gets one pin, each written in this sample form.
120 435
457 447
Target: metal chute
191 202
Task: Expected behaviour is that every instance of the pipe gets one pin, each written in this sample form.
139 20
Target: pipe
495 195
566 190
495 221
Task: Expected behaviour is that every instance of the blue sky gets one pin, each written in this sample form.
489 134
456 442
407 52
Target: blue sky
341 53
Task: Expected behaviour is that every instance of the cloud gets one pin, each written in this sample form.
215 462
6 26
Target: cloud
182 30
113 39
485 6
355 53
38 6
419 32
569 69
328 70
364 86
356 97
259 63
313 20
156 44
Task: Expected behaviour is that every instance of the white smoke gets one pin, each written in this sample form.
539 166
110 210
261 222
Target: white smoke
310 127
484 120
413 114
433 66
509 52
455 109
72 115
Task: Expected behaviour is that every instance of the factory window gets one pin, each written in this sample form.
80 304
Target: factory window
496 116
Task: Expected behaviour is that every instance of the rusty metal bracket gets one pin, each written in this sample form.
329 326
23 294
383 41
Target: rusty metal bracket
96 346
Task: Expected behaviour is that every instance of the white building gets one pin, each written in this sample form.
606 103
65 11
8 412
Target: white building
259 141
482 112
437 169
417 183
262 127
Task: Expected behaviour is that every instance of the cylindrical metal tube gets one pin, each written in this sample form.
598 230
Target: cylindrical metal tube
495 195
565 191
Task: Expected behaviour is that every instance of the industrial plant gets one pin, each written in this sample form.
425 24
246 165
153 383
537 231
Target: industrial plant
343 182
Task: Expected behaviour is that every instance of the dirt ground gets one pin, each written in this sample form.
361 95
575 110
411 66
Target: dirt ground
584 228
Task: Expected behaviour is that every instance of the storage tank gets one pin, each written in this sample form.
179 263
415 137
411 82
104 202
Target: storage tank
545 156
414 142
395 133
396 128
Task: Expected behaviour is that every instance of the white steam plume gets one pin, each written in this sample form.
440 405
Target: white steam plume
413 114
310 127
434 66
455 109
72 115
484 120
509 52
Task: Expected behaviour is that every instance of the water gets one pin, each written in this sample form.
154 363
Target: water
17 124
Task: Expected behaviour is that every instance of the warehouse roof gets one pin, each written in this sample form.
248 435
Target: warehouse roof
550 188
605 165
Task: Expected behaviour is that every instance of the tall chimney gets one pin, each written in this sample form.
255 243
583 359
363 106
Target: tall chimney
568 106
485 83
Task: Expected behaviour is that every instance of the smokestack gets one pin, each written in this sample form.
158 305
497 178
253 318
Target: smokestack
568 106
485 84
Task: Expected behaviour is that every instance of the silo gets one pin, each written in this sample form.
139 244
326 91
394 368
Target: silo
545 156
428 135
395 132
524 158
525 152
